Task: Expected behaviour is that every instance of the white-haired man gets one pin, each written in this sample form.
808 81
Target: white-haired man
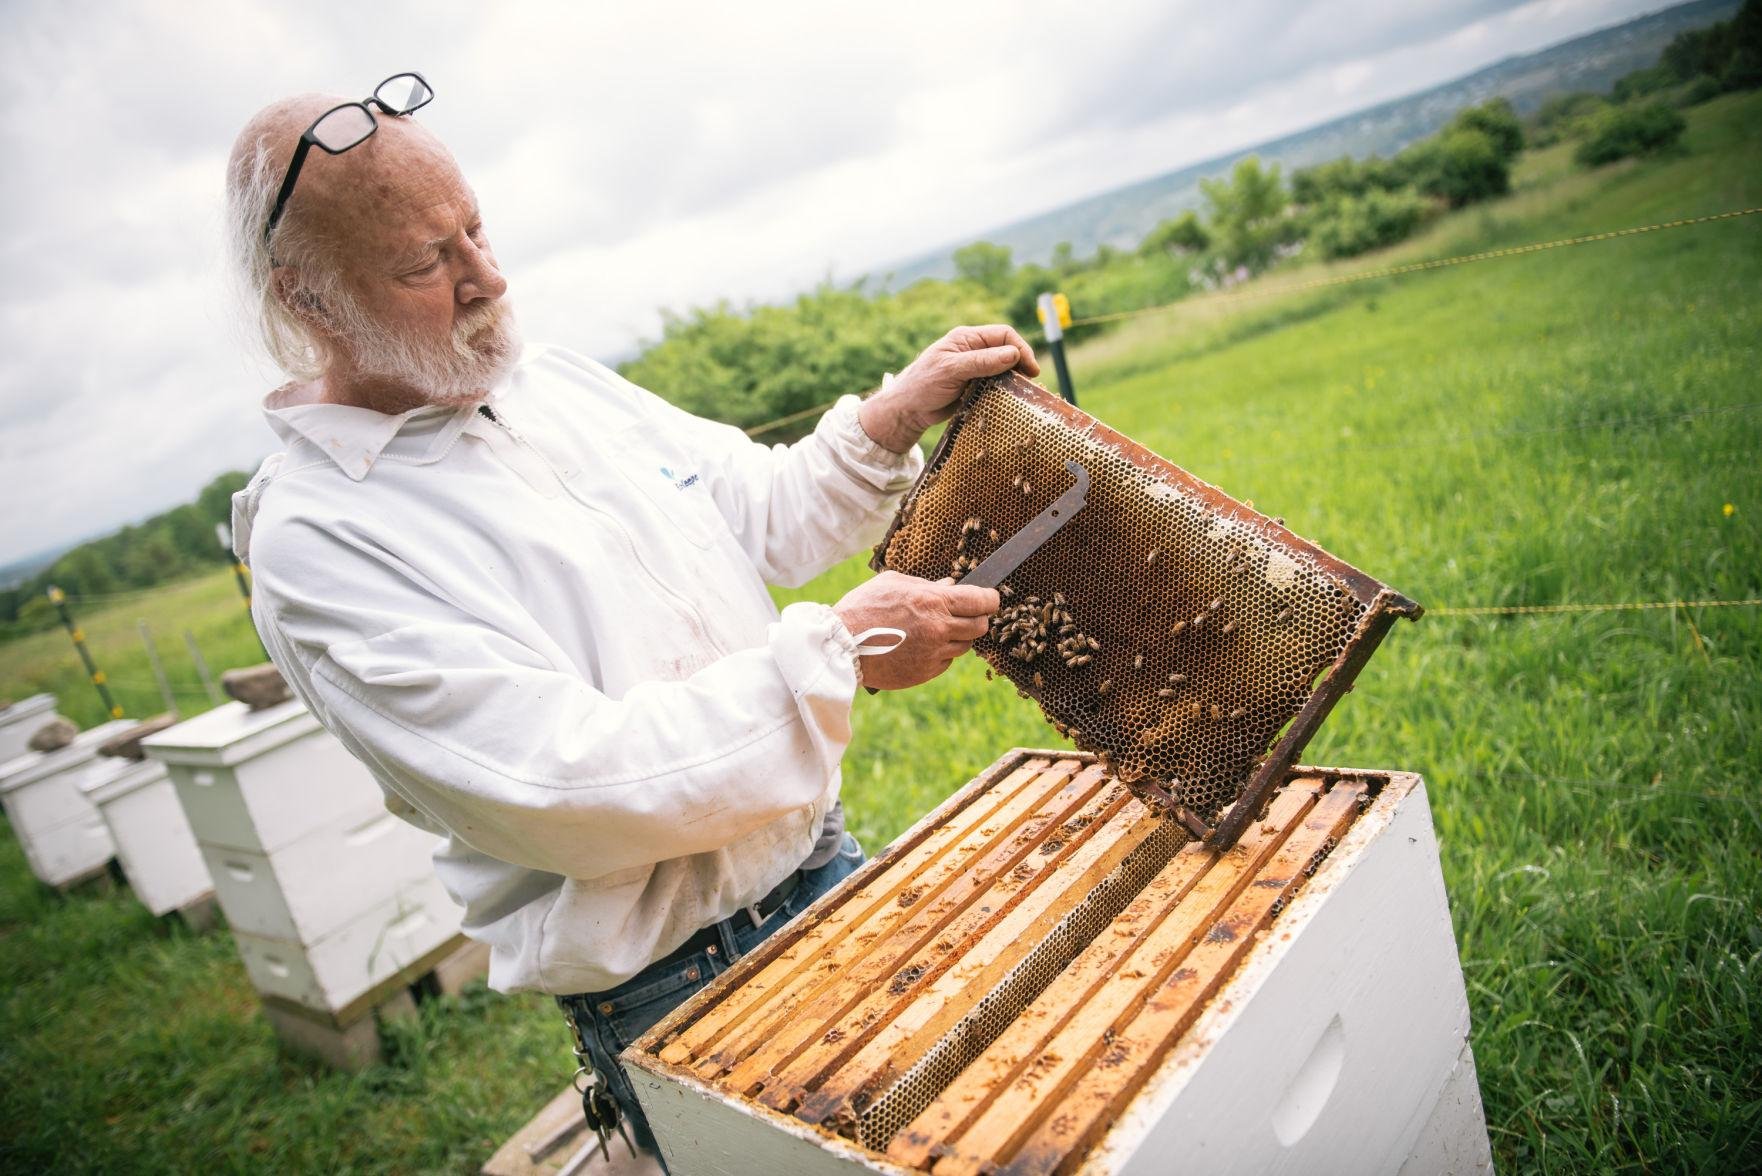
530 596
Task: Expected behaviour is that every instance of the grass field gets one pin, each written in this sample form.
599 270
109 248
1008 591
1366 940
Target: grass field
1562 427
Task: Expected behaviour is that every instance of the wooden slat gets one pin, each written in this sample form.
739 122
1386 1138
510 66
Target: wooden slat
1021 1095
931 1012
897 908
965 881
762 993
973 952
1113 1070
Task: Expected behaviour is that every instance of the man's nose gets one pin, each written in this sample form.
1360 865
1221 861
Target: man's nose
482 278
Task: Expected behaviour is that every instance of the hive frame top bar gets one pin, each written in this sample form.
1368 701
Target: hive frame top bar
1371 607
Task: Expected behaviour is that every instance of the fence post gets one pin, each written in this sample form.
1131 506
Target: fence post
241 576
1054 314
202 670
158 666
58 598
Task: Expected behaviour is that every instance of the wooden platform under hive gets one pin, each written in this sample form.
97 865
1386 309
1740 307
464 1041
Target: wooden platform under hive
1044 975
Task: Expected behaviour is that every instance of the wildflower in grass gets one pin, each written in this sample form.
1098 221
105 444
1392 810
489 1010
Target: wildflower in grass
1728 510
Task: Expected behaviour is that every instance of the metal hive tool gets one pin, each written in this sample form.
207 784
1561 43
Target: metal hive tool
1193 644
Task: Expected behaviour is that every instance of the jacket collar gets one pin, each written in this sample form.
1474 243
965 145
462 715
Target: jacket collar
355 437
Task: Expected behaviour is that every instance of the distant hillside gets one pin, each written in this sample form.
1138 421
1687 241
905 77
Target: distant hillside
1122 217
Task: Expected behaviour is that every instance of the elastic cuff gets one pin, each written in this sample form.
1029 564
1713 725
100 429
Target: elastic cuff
846 432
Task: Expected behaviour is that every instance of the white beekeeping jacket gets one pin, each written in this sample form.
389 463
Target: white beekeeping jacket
545 630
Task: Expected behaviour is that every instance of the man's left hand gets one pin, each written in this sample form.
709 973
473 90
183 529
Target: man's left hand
924 394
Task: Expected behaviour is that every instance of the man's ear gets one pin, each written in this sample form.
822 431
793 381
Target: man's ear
292 293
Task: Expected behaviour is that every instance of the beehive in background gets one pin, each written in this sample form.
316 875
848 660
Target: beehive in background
1045 975
65 839
1193 643
332 900
20 720
153 840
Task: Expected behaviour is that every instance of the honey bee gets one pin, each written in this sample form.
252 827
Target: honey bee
1039 682
1058 598
1151 557
1229 626
1278 522
1016 481
1027 488
1094 644
1216 604
1176 629
1217 713
1284 615
1199 621
1138 662
1164 692
994 534
1177 678
1106 685
1238 712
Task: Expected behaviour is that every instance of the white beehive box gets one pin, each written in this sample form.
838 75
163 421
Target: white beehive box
329 896
1003 991
64 837
20 721
153 839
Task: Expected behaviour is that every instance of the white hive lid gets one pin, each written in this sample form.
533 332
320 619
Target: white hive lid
27 708
231 734
83 747
111 779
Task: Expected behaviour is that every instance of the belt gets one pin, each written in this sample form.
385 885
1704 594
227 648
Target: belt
758 913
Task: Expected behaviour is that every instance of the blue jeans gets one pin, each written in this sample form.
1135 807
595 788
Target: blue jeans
609 1021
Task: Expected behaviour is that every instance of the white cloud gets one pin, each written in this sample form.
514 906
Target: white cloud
629 157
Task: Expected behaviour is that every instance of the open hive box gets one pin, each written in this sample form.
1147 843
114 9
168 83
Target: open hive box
1192 643
1046 974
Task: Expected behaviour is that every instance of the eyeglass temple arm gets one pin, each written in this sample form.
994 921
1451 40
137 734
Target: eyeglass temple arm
287 185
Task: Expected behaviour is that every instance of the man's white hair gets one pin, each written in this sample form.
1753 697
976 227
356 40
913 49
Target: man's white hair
254 176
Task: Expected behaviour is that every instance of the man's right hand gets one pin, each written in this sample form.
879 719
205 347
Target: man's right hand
941 620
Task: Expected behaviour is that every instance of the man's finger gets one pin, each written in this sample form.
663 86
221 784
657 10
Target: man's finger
967 628
970 600
970 365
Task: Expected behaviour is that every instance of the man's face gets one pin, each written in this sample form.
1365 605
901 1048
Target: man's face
422 298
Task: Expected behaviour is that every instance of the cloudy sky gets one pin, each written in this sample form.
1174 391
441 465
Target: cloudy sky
627 157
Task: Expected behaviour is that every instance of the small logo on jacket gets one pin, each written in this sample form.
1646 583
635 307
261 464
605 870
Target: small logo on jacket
679 483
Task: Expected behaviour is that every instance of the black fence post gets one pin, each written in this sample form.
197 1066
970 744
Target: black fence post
58 598
1051 319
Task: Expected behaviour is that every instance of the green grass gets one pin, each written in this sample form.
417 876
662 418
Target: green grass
1561 427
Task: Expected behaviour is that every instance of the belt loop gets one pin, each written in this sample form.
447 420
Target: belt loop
725 932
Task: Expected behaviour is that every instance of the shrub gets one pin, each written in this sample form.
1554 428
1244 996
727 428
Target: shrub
1701 89
1642 83
1621 131
1177 235
1460 166
749 367
1350 225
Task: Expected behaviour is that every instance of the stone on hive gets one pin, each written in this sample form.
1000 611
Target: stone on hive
127 744
54 735
258 687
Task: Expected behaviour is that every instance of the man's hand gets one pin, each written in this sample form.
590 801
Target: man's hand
941 621
925 392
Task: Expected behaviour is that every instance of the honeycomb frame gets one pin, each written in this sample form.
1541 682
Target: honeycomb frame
1192 643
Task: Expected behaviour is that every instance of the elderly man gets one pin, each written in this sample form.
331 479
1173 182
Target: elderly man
530 596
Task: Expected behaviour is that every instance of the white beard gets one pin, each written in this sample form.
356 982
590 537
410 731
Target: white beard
483 346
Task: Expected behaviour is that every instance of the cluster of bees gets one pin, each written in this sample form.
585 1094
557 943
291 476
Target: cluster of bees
1030 626
964 560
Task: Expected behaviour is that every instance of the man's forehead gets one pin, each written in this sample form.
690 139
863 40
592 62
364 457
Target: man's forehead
398 190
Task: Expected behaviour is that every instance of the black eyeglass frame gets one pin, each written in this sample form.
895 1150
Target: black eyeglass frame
308 139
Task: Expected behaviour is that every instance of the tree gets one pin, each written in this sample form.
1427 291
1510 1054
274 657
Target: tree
1497 121
1563 116
1246 214
985 264
1176 236
1349 225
